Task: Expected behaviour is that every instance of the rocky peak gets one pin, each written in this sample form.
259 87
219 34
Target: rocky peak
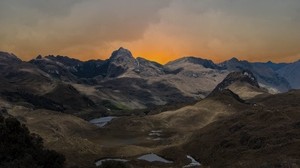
7 57
120 61
233 59
122 56
39 57
148 68
195 60
244 76
235 65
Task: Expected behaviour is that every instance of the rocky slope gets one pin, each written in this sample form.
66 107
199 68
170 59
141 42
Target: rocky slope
124 81
129 83
291 73
219 131
266 76
242 83
265 135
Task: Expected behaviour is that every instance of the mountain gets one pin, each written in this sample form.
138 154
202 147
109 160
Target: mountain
120 61
272 65
291 73
238 125
267 77
122 76
8 58
123 64
120 64
253 137
69 69
148 68
242 83
220 127
19 75
241 76
195 116
195 76
88 88
193 60
56 66
124 82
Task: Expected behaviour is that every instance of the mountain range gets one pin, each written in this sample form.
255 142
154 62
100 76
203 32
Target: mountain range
189 112
125 82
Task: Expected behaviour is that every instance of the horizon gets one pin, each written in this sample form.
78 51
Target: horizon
187 56
257 31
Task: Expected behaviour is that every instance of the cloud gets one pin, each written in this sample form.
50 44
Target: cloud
161 30
257 30
64 25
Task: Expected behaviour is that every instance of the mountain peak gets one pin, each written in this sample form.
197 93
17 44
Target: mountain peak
245 76
120 61
121 52
122 56
39 57
234 59
195 60
4 56
122 48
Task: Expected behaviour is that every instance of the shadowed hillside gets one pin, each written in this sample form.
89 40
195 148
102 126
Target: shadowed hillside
19 148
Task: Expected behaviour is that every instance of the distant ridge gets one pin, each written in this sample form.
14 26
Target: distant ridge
191 78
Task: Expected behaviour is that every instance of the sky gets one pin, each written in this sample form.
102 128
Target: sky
159 30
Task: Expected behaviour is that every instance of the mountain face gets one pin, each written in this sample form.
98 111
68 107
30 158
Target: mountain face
57 67
242 76
52 94
132 83
123 64
148 68
120 61
243 83
267 77
272 65
291 73
193 60
8 58
256 132
79 87
68 69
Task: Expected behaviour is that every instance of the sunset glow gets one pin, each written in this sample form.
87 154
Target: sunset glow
158 30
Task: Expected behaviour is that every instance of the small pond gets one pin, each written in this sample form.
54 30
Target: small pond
101 122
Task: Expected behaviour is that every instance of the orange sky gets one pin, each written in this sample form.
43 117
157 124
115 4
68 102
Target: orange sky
157 30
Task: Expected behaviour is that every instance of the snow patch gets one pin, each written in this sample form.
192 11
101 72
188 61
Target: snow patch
153 158
193 162
155 135
249 75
